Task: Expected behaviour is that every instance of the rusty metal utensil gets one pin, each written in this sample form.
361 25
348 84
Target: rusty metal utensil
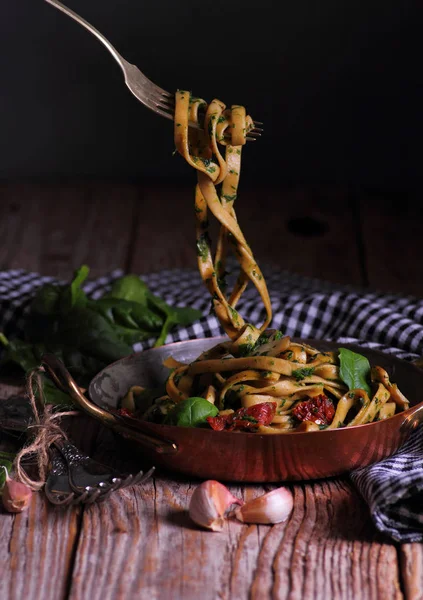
151 95
243 457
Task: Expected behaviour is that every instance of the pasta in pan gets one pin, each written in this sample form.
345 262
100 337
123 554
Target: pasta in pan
259 380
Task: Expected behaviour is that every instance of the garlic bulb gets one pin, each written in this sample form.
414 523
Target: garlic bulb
273 507
209 502
16 496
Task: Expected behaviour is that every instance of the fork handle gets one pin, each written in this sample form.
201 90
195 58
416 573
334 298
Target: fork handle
65 382
73 15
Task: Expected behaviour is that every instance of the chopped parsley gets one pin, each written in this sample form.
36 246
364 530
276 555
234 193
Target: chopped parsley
235 315
203 244
245 349
300 374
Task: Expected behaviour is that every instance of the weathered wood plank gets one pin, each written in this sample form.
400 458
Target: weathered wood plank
391 225
36 551
165 232
307 231
412 570
54 228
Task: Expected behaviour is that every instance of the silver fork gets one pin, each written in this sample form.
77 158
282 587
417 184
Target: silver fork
147 92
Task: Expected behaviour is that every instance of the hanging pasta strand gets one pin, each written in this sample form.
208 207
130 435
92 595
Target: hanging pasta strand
203 153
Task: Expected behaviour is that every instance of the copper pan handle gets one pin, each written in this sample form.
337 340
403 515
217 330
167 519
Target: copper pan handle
65 382
412 421
415 418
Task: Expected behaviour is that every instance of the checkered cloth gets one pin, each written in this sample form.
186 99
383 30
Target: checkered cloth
306 308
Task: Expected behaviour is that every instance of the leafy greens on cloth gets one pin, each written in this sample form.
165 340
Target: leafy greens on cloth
88 334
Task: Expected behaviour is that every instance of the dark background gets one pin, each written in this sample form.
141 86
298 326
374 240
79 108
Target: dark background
338 85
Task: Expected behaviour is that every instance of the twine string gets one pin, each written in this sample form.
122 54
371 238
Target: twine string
45 431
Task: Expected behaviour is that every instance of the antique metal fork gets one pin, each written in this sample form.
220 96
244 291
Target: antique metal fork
57 488
74 478
147 92
84 472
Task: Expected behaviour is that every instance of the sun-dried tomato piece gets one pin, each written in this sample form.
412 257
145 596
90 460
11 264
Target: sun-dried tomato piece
217 423
246 419
319 410
263 412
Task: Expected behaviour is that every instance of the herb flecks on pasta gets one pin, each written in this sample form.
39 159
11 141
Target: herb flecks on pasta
215 194
258 380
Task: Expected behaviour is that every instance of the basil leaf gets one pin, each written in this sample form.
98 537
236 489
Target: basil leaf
191 412
354 370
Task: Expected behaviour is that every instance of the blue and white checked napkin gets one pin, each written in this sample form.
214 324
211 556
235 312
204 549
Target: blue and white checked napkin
307 308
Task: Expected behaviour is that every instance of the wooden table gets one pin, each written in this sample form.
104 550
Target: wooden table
140 543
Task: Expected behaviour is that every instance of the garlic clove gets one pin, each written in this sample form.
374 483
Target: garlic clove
208 504
273 507
16 496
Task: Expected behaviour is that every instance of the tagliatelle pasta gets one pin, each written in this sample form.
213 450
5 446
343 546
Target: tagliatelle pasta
200 148
258 380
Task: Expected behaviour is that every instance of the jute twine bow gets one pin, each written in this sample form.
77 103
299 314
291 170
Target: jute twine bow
45 431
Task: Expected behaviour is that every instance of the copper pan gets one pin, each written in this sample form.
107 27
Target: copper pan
246 457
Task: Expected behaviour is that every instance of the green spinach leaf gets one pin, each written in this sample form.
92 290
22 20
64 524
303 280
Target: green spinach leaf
129 287
128 314
46 299
175 315
354 370
92 334
72 295
191 412
18 352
